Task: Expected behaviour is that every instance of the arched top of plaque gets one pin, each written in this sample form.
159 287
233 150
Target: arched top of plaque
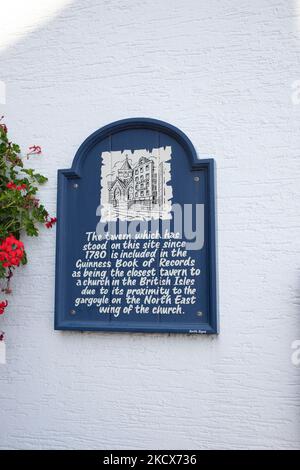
134 124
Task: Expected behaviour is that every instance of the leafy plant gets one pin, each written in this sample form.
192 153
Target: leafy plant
20 209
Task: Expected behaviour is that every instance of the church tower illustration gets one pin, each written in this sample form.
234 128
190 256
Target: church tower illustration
134 185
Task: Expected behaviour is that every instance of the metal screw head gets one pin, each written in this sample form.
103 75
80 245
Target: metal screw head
75 185
72 312
196 178
199 314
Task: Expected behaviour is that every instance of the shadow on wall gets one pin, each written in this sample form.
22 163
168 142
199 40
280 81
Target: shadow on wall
89 63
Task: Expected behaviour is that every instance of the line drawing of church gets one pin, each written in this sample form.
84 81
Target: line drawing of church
134 185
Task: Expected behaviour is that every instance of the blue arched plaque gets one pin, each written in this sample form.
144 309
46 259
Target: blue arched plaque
136 233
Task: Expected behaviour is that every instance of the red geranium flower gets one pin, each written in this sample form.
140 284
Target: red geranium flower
3 306
3 126
35 150
51 222
11 252
13 186
21 187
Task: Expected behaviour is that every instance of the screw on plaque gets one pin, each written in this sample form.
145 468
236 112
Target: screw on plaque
196 178
72 312
75 185
199 314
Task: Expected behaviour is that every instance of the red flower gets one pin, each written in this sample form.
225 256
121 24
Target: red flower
51 222
11 252
35 150
3 257
21 187
13 186
3 306
3 126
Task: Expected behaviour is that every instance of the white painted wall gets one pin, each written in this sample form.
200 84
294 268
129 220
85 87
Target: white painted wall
222 71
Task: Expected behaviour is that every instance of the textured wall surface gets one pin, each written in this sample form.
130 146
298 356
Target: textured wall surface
222 71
